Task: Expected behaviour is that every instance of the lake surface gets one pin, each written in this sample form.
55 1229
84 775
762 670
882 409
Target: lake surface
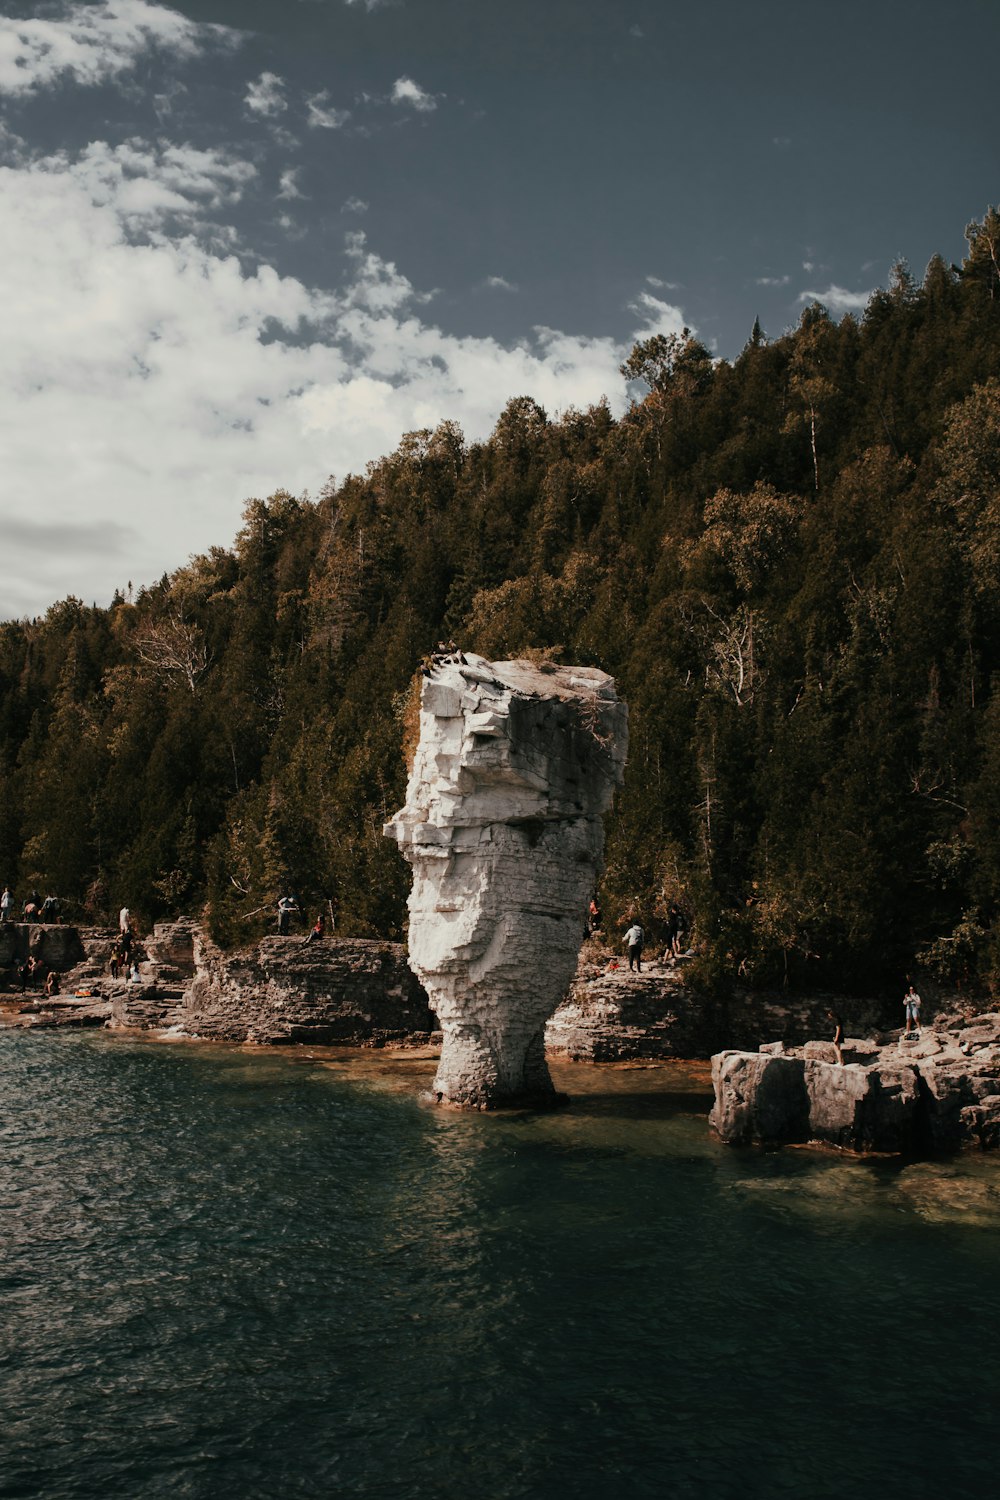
234 1274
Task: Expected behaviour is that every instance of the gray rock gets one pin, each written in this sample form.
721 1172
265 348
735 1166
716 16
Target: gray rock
759 1097
940 1099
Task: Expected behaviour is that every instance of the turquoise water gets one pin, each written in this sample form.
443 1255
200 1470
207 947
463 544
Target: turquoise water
235 1275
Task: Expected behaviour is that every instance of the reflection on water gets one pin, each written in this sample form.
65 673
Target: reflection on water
236 1274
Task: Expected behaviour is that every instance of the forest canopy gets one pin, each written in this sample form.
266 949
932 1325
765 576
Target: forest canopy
790 562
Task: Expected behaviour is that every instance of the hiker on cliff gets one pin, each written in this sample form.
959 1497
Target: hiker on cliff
52 983
50 909
125 945
594 917
6 904
838 1035
319 927
911 1004
30 910
634 939
286 907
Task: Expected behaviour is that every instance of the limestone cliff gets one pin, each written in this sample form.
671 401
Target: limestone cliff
515 766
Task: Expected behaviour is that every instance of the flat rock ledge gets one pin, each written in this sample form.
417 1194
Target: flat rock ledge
936 1093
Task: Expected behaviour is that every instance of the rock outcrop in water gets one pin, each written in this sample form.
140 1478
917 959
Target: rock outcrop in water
936 1092
502 826
341 991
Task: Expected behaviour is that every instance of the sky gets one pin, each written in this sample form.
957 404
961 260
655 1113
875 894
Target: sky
246 245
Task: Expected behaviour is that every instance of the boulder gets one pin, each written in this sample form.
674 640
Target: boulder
863 1108
759 1096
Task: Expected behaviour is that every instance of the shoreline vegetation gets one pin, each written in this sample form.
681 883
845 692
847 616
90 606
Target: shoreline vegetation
789 563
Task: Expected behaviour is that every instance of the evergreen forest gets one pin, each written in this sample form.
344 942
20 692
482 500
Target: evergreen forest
790 562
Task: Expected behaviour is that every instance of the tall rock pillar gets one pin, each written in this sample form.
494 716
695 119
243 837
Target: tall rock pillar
502 825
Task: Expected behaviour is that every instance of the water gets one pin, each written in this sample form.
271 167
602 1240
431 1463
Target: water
228 1274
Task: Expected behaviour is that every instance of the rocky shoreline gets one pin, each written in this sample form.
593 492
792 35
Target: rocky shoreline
938 1090
773 1082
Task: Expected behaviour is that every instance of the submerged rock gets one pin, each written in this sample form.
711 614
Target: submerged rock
502 826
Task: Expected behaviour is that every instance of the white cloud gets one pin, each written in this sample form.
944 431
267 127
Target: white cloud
663 286
288 183
266 96
354 206
772 280
808 265
91 44
322 116
151 381
370 4
406 91
658 316
147 182
500 284
837 299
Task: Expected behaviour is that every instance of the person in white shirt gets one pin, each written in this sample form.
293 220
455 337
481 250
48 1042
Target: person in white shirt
633 946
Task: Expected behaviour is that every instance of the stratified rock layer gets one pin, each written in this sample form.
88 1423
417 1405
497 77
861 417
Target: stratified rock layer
351 991
502 825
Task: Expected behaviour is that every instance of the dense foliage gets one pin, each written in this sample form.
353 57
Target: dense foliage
790 563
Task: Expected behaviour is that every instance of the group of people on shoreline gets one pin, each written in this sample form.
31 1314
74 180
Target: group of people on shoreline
33 908
288 907
123 962
677 944
33 974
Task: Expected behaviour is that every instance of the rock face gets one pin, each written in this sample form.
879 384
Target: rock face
937 1092
618 1016
349 991
54 945
502 825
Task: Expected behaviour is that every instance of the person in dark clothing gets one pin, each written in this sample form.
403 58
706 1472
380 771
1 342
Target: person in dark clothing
838 1035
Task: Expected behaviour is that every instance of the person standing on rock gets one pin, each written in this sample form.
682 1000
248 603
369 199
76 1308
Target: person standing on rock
6 904
123 919
911 1003
838 1035
634 939
285 908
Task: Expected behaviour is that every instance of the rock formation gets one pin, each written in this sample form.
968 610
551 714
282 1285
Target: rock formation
615 1016
938 1091
341 991
515 766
